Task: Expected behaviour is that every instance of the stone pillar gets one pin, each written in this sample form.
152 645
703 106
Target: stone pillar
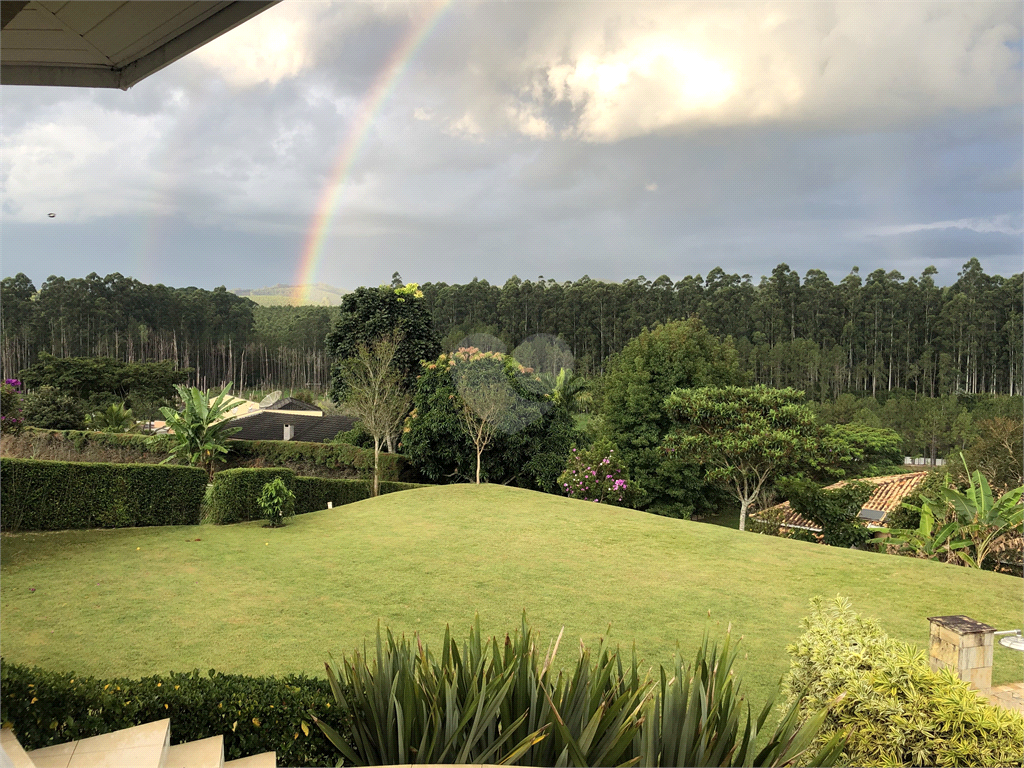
964 645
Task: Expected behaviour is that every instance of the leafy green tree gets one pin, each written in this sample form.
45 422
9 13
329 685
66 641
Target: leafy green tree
85 377
201 429
116 418
681 354
368 314
276 502
530 448
745 437
834 509
375 392
49 408
998 451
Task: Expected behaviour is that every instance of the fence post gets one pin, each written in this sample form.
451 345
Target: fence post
964 645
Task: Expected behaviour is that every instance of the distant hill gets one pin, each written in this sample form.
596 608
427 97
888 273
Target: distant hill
320 294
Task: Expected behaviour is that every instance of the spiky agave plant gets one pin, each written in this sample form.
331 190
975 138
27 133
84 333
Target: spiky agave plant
503 703
695 717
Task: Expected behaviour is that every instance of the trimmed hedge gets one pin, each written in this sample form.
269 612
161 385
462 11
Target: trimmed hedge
235 492
305 458
254 714
234 495
61 495
313 493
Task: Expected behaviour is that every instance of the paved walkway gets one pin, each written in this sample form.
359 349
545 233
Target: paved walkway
1010 696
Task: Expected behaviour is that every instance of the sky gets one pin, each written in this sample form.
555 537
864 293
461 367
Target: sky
342 142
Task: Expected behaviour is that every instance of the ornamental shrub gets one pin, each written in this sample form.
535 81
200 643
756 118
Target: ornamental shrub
883 692
597 474
254 714
12 417
50 408
61 495
277 502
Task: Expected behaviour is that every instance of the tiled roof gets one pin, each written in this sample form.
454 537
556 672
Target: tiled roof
290 404
890 492
267 425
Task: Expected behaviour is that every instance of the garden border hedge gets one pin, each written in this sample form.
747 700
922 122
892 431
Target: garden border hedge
235 491
254 714
292 454
41 495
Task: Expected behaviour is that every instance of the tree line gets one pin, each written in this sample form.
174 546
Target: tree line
222 338
872 334
878 334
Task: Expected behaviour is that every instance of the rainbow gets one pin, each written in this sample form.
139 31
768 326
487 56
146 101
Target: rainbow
383 86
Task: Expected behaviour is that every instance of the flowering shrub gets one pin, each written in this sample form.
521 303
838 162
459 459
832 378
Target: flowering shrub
11 418
597 474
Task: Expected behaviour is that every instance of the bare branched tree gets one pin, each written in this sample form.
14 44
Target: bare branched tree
486 409
376 394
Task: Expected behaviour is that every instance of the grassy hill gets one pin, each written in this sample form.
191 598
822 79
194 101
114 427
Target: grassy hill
278 295
249 599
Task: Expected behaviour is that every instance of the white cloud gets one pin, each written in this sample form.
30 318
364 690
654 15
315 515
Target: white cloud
422 114
988 225
634 70
275 45
101 163
652 187
526 120
466 127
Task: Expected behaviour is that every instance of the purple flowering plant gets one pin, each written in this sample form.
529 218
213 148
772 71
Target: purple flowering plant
11 419
597 474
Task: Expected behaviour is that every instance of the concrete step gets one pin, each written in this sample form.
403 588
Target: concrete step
262 760
11 748
144 746
205 753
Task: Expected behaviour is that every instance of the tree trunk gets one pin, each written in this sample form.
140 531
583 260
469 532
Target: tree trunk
478 452
744 503
376 467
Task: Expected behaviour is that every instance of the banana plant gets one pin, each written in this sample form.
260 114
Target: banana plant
201 428
983 519
926 540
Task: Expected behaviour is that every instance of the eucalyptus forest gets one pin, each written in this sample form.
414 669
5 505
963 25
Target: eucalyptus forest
871 334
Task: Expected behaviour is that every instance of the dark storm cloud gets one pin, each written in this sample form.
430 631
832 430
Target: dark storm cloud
535 139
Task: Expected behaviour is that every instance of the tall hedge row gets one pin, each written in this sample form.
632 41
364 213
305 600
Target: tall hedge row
305 458
254 714
235 491
60 495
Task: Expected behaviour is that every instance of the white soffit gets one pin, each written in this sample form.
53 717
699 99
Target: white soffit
107 44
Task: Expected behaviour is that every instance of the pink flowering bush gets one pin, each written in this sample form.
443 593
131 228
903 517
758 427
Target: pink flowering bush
597 474
11 418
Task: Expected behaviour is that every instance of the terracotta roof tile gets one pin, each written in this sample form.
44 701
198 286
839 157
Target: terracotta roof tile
890 492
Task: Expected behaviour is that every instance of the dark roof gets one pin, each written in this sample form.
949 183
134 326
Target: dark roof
290 404
308 429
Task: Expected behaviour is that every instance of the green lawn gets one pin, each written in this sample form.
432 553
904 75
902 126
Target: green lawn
249 599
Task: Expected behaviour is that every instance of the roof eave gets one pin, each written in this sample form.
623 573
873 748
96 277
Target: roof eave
125 77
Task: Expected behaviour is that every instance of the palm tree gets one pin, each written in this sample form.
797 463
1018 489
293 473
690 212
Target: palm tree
569 390
116 418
